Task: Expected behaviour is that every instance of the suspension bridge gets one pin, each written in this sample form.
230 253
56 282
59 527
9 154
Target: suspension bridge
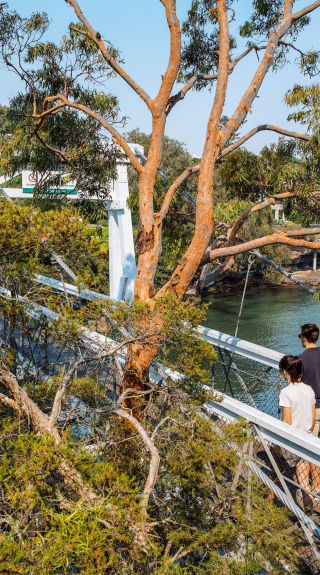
245 377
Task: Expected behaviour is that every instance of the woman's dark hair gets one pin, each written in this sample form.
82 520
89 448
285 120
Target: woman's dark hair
292 364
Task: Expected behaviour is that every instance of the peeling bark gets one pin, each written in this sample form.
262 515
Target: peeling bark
145 240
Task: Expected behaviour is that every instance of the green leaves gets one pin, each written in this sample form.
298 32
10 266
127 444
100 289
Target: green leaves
22 253
73 140
74 67
286 166
265 17
307 100
200 48
37 22
305 103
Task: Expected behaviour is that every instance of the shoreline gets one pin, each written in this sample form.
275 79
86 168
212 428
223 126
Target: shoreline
257 284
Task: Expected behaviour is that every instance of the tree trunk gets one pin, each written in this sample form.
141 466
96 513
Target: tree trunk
136 375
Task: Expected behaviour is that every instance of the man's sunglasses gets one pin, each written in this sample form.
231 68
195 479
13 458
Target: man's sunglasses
300 335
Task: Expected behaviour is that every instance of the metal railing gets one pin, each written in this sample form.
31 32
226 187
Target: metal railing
280 455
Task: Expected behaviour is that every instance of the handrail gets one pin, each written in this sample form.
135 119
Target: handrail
303 444
258 353
297 441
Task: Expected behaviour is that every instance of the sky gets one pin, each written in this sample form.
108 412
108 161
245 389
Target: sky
138 28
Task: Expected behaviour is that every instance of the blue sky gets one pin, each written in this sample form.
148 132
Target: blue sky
138 29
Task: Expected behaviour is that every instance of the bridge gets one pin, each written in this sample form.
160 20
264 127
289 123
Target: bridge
245 378
246 386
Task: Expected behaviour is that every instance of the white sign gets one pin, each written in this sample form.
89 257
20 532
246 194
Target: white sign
31 179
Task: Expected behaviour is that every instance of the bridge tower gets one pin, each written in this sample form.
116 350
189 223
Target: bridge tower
122 261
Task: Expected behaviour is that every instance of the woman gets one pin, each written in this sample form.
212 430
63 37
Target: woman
298 404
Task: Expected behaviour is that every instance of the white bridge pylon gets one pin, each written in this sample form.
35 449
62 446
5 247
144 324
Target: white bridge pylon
122 261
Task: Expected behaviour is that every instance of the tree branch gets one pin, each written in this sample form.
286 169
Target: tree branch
9 402
287 7
172 70
209 278
40 422
82 108
45 111
285 238
207 77
306 10
211 77
155 458
173 188
251 93
160 424
187 266
60 393
232 233
195 169
56 151
96 38
264 127
289 45
22 400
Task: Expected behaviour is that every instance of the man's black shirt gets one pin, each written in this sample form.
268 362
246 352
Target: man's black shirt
311 370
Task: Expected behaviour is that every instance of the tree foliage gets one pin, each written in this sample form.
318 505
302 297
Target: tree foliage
69 138
278 168
196 520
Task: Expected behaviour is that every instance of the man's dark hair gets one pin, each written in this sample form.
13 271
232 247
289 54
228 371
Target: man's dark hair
310 332
292 364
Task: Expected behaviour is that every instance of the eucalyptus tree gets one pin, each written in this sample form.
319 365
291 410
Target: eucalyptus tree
202 51
112 500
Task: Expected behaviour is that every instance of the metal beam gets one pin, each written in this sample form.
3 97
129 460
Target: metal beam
257 353
303 444
283 271
70 288
241 347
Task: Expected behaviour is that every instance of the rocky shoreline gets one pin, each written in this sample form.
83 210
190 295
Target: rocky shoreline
259 282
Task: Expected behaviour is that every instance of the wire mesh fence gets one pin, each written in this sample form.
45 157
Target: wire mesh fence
248 381
291 481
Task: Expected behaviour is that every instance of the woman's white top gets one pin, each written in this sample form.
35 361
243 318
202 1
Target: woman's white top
301 399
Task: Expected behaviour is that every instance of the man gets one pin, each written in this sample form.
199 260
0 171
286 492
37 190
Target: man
309 335
311 364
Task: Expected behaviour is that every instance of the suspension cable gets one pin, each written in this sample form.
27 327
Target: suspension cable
250 262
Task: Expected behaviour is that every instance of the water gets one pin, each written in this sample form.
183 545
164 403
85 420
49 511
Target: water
269 318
